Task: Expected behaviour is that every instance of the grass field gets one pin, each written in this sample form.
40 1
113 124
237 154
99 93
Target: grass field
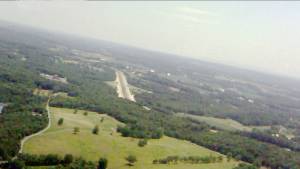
108 143
225 124
42 92
47 93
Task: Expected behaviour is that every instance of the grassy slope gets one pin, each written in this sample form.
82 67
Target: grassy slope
225 124
61 140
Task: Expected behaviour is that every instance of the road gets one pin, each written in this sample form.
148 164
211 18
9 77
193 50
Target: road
23 141
122 87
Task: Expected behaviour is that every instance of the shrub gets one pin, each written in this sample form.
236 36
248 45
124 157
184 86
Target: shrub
76 130
95 130
16 164
131 159
102 163
245 166
60 121
142 143
68 158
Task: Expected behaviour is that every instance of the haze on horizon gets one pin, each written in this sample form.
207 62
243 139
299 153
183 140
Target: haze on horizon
263 36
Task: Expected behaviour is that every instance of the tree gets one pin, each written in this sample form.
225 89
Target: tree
95 130
60 121
68 158
16 164
76 130
131 160
102 163
85 113
245 166
142 142
220 158
229 156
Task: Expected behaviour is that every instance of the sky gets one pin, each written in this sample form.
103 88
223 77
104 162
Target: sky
264 36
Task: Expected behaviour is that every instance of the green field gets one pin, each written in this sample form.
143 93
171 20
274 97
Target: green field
108 143
225 124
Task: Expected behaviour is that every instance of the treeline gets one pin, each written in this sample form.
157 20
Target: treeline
45 160
55 161
137 132
245 166
267 137
189 159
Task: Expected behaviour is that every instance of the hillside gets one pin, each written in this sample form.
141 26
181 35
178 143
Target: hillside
108 143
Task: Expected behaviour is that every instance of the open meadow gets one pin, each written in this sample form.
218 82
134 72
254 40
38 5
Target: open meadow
60 139
224 124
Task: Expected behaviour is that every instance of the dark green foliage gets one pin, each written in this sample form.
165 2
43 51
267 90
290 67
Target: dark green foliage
102 163
78 163
15 164
55 161
142 142
245 166
17 119
188 159
266 136
76 130
95 130
60 121
139 132
68 158
85 113
40 160
131 159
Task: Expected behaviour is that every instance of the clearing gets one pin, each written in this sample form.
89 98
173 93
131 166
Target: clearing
225 124
108 143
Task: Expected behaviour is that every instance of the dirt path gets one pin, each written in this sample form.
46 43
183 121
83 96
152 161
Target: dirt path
23 141
122 87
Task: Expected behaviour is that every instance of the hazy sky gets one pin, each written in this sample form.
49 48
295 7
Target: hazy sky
259 35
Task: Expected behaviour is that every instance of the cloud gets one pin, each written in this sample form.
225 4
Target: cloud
195 11
195 15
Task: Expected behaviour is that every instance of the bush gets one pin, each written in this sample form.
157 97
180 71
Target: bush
188 159
76 130
68 158
95 130
60 121
245 166
131 159
142 143
38 160
85 113
102 163
15 164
